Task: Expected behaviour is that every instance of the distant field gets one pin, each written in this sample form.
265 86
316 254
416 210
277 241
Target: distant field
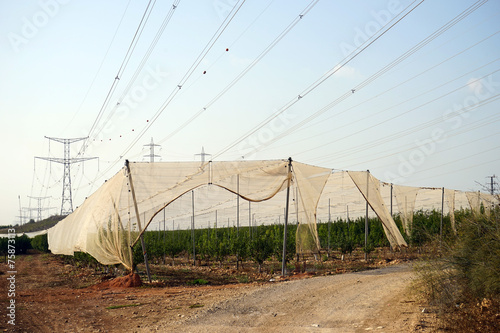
34 226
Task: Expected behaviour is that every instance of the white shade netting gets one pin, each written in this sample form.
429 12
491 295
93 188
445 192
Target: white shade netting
369 186
478 200
474 199
107 223
449 196
406 197
184 195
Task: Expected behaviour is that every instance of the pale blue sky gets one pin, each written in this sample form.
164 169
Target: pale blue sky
58 61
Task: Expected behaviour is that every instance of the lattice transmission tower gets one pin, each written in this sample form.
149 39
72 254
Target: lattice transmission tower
67 201
39 208
152 154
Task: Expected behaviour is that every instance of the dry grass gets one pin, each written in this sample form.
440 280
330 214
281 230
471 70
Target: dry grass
462 283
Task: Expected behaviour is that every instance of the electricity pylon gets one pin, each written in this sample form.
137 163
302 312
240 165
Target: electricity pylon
67 201
152 155
202 155
39 209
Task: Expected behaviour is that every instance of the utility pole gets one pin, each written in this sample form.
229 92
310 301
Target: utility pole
39 209
492 184
67 201
202 155
152 155
20 211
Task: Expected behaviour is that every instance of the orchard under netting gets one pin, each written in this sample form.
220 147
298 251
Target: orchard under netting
184 195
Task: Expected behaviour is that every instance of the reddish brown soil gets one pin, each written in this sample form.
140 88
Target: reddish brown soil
52 296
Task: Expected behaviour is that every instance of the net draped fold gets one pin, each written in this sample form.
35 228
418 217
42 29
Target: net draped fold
106 224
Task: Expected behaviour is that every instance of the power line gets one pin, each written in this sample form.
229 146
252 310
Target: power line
322 79
246 70
186 76
67 201
406 132
100 66
125 60
372 78
39 208
144 59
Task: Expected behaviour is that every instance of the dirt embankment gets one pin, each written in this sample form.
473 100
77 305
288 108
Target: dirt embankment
53 297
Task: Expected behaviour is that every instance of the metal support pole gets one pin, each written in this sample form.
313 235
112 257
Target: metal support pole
348 225
283 261
238 204
250 219
329 223
366 213
442 212
238 219
192 230
143 245
391 199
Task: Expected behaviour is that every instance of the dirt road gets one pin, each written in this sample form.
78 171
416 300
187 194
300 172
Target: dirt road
54 297
367 301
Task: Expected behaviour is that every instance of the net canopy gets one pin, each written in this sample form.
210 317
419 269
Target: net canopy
449 196
406 197
369 186
110 221
184 195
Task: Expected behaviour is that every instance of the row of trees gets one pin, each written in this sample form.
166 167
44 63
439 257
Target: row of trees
262 242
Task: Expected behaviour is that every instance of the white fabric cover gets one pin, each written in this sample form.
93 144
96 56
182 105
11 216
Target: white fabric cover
369 186
106 224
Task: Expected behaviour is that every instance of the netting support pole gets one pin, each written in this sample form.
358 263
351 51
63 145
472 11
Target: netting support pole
442 212
391 200
238 219
366 213
283 261
329 223
192 229
138 217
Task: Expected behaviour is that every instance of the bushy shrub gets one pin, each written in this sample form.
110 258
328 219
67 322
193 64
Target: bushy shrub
464 283
40 243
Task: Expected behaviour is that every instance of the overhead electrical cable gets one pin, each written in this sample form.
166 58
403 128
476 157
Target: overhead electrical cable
230 46
140 67
144 59
457 160
411 146
394 136
128 54
184 79
100 66
187 75
322 79
400 84
245 71
401 113
346 95
384 110
458 170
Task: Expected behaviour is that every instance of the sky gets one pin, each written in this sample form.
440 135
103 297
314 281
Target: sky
405 89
